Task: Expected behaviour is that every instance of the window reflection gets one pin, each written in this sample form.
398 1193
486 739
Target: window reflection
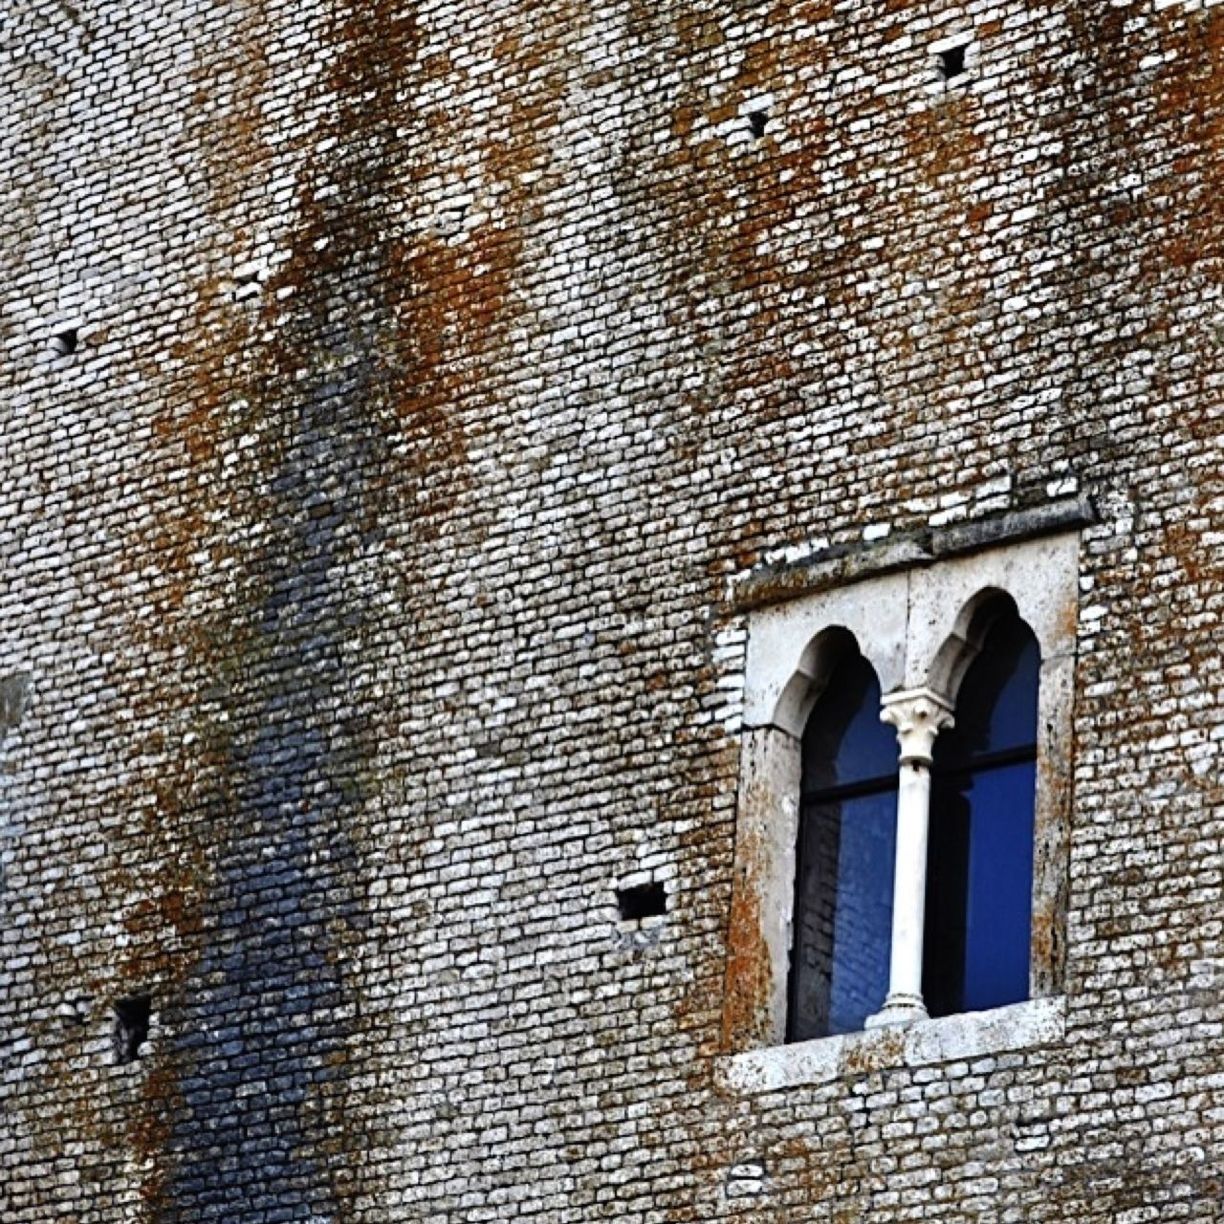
844 865
980 852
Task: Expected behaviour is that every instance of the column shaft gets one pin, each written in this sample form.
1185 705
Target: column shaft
919 716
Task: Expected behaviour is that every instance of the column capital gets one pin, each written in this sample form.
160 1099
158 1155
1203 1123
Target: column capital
919 715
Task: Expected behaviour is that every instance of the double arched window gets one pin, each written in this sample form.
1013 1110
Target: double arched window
937 920
904 798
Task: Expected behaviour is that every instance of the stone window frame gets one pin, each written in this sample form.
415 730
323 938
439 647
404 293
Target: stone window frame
911 619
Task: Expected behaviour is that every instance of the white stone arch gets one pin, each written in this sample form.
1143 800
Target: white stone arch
977 616
819 660
1038 575
789 655
792 650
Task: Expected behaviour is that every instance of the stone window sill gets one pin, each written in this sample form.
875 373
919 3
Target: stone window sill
1021 1026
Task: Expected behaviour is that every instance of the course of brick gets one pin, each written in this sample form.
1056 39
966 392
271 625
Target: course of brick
393 396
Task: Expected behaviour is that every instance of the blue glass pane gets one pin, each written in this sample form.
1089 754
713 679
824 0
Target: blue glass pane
845 742
844 865
998 911
863 927
996 709
980 858
843 914
1012 722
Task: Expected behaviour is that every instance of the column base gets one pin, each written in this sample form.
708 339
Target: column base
899 1009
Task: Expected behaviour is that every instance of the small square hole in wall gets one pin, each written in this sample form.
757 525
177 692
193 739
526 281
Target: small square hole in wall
954 57
952 61
64 343
641 901
248 280
131 1026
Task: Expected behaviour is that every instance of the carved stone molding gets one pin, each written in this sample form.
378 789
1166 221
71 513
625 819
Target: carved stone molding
919 715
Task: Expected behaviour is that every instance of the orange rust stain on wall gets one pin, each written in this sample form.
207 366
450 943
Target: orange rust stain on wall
1190 105
424 295
149 1132
942 139
749 976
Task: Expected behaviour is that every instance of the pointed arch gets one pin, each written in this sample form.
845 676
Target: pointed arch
817 663
977 616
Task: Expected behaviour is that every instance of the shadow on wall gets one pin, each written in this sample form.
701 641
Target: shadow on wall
266 1021
266 1018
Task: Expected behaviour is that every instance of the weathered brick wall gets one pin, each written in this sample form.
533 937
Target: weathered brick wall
365 616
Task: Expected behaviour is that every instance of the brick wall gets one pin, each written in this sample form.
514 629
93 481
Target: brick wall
365 607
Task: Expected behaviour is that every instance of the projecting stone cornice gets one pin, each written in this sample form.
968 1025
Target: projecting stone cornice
841 565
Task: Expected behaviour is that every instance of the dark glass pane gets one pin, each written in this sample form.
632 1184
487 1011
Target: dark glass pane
980 856
998 910
844 865
979 889
943 963
845 742
996 709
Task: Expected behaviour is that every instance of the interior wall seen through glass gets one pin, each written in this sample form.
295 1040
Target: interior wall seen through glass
844 864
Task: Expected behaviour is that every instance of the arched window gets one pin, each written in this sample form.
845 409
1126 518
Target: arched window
888 871
844 866
980 848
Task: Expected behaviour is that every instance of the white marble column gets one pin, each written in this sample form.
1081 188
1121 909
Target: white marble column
918 715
